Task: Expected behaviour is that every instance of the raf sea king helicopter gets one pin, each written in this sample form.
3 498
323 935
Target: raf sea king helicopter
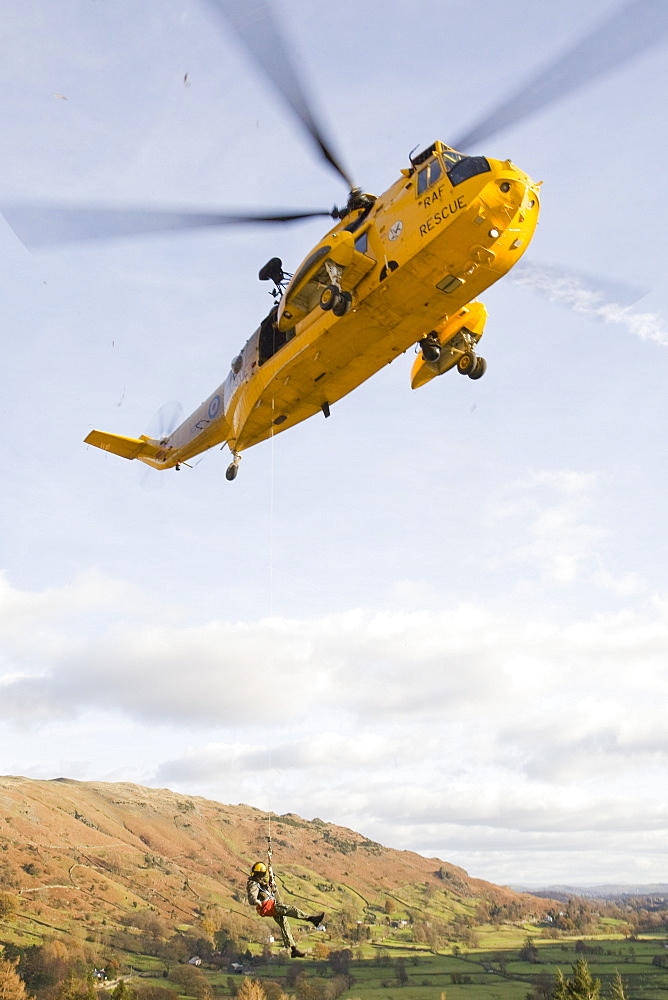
402 268
395 270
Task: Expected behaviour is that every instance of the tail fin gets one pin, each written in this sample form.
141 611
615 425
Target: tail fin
142 448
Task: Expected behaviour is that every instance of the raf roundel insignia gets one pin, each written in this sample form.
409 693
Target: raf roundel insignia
214 407
395 230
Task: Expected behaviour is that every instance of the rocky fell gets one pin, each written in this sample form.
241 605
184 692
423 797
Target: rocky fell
94 852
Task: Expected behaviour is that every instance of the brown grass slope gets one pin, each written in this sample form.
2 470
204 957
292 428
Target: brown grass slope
94 851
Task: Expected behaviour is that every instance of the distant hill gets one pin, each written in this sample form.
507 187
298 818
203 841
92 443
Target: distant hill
92 852
611 892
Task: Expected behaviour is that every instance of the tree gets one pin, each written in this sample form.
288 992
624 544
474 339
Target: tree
335 987
227 943
402 975
8 905
111 968
617 992
307 989
272 990
12 986
340 961
529 952
542 987
43 966
560 992
583 986
194 982
389 906
155 993
75 987
120 991
251 989
501 960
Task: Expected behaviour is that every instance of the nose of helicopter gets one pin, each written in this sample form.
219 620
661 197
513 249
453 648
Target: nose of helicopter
514 191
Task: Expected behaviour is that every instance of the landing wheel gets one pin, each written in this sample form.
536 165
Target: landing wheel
231 471
466 363
342 303
479 368
329 298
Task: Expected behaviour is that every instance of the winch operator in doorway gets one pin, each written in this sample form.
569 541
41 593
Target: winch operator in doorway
262 895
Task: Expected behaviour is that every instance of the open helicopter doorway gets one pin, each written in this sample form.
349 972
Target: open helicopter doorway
271 339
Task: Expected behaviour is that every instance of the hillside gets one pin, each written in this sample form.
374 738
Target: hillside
94 852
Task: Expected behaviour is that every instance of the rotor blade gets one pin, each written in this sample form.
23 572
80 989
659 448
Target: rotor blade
166 420
256 28
47 225
631 30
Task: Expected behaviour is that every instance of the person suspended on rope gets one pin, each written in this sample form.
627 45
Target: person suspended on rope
262 895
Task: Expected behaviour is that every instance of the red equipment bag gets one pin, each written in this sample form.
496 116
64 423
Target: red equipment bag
267 908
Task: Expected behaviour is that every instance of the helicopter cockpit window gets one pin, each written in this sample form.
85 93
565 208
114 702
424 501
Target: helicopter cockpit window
467 167
451 157
428 176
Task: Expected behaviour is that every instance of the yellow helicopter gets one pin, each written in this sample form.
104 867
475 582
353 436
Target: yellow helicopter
401 269
395 270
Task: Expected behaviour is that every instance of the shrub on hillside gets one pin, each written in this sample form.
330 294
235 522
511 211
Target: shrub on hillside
8 905
194 982
44 967
155 993
75 987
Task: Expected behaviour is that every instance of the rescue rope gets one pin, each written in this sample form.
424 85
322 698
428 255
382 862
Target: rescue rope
272 882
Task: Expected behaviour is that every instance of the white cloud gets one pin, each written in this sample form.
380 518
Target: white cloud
323 752
570 290
547 522
446 666
456 726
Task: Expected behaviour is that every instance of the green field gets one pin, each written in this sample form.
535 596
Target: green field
484 973
498 974
387 963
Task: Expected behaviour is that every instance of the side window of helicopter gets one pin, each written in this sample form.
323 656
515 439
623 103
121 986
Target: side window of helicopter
362 242
428 176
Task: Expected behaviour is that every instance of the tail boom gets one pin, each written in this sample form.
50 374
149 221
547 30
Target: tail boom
144 448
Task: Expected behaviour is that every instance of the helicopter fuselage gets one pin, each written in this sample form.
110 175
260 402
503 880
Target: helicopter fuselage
444 232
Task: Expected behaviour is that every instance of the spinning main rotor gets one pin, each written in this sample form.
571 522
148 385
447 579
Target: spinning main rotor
630 30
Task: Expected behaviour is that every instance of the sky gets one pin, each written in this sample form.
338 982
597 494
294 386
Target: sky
441 616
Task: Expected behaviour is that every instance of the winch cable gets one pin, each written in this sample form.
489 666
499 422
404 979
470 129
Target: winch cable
272 472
